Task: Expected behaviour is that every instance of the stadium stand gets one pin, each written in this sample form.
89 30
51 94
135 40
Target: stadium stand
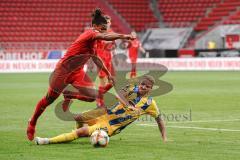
218 14
184 13
136 12
53 24
43 24
233 19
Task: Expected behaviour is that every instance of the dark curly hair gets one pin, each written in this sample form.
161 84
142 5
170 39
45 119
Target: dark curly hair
98 17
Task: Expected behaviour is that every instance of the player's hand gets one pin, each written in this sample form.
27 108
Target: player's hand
135 109
130 37
132 108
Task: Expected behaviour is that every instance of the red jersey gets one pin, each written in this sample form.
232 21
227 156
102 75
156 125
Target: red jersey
133 49
69 69
80 51
104 49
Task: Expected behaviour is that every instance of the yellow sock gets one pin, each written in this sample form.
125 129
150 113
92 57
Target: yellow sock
66 137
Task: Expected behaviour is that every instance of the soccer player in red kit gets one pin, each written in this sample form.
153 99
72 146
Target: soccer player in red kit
133 47
80 78
76 56
105 50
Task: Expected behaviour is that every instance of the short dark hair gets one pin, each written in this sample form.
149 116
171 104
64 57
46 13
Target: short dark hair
98 17
149 78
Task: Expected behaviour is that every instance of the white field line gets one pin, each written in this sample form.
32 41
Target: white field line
153 124
203 121
197 128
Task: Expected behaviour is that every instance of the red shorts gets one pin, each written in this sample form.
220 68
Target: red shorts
80 79
109 66
60 79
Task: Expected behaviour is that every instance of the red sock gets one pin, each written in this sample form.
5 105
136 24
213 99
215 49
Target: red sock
100 93
103 89
133 74
76 95
107 87
41 106
85 98
100 103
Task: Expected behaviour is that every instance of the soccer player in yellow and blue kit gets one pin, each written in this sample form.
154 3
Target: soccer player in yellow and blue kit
134 101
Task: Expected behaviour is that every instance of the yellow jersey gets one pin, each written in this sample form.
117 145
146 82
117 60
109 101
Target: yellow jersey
118 116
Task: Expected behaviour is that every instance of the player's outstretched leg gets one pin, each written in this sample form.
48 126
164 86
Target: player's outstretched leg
62 138
40 108
69 95
82 88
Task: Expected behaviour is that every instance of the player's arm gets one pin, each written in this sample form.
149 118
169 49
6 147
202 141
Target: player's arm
162 128
144 52
110 36
121 96
101 65
142 49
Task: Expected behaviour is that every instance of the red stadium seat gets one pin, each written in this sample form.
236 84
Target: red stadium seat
136 12
186 12
44 20
218 13
233 19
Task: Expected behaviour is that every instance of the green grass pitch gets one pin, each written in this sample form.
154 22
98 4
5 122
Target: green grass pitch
213 132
